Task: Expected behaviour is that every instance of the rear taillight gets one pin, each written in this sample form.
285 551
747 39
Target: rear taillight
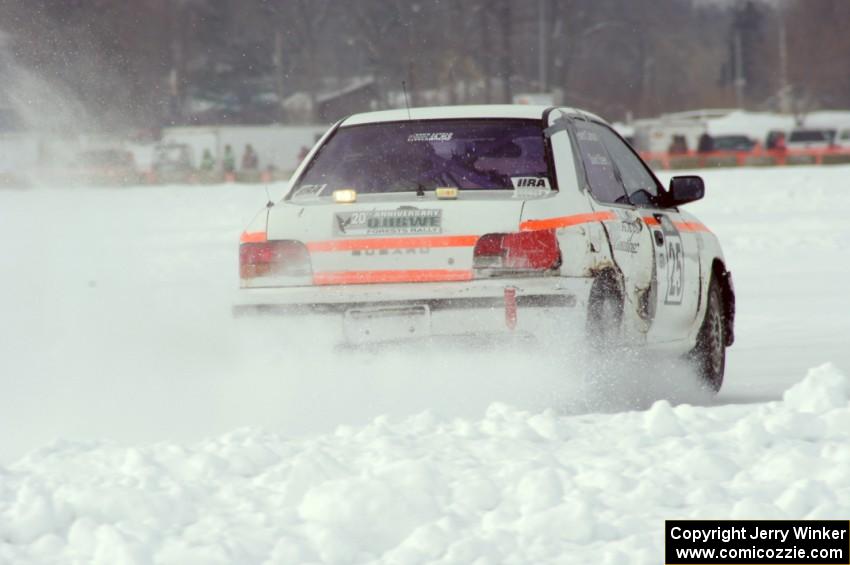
274 259
522 252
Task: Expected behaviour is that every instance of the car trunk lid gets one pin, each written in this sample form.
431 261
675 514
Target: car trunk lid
391 238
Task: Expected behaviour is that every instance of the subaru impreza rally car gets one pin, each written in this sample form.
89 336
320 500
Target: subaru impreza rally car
491 219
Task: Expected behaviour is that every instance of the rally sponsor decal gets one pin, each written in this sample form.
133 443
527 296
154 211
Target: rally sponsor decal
585 135
383 252
405 221
435 136
598 159
627 232
675 261
530 182
393 276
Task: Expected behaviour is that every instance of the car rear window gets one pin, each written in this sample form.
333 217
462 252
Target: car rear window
809 135
733 142
424 155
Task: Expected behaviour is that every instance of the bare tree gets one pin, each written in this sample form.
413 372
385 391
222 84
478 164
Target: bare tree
151 62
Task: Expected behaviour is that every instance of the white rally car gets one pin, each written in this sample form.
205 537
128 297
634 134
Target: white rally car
491 219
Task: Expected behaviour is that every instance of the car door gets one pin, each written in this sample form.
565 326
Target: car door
675 241
678 278
629 237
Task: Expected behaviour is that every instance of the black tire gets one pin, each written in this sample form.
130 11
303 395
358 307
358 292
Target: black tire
605 312
708 356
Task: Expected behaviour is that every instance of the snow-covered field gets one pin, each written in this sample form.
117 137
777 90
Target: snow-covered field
141 424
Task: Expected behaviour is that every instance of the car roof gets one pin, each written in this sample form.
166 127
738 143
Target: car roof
516 111
812 129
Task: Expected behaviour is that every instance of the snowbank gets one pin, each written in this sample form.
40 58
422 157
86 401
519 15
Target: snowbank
512 487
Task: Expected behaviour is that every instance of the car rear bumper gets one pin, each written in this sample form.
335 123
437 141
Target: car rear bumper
453 308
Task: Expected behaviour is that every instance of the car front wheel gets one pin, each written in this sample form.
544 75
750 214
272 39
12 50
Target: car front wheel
708 356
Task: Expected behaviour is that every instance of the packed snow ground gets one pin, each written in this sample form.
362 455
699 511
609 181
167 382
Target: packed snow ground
117 338
509 487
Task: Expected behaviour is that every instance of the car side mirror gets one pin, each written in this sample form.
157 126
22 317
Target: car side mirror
685 189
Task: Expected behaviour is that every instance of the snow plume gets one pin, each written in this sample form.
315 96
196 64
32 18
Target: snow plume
47 122
630 379
118 325
294 376
508 486
42 105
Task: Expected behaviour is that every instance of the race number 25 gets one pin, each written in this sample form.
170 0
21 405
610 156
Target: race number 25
675 269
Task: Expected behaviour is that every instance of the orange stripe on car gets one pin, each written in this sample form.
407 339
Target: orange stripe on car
397 276
252 237
566 221
690 226
392 243
681 226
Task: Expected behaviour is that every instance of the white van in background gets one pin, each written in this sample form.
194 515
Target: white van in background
810 138
842 140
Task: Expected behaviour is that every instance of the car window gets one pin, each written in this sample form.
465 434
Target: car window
639 183
408 156
599 167
811 135
733 142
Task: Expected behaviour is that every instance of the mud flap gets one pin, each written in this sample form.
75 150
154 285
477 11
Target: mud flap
510 308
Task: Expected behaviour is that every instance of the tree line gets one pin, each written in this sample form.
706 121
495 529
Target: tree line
158 62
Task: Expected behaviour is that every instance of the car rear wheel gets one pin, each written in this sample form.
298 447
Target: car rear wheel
708 356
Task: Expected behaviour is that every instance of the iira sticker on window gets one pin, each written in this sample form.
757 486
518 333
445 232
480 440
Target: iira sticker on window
530 182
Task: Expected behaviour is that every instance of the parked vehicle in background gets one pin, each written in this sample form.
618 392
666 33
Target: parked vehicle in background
104 166
843 138
810 138
776 139
678 144
491 220
173 162
655 135
733 143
